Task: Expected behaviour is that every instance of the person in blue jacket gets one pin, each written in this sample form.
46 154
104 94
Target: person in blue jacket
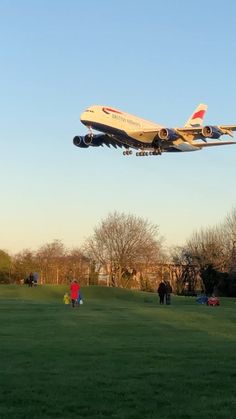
79 299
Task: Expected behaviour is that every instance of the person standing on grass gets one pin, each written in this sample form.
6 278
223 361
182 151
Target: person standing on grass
66 298
31 279
80 299
161 291
168 292
74 292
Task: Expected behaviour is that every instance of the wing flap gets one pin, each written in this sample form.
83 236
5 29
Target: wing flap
108 140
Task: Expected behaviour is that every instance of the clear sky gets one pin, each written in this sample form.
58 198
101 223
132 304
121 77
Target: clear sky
155 59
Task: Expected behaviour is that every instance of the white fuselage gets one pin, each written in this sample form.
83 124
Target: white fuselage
113 121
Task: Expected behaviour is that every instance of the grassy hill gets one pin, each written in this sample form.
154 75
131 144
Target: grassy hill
120 355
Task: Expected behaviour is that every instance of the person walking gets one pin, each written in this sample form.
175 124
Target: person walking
31 279
161 291
74 292
168 292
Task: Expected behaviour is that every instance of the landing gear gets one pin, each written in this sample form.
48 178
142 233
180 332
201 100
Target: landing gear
156 152
141 153
127 152
89 137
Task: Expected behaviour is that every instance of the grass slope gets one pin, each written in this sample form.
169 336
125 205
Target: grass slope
120 355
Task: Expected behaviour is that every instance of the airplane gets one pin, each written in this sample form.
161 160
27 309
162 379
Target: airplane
120 129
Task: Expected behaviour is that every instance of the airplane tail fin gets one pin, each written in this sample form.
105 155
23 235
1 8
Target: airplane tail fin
196 119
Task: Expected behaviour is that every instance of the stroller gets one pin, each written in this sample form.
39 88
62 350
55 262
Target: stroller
213 301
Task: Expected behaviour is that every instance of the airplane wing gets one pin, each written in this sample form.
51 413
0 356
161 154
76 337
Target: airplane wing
197 130
184 133
228 127
212 144
187 130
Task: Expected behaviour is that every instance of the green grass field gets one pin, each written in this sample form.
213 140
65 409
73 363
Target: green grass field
120 355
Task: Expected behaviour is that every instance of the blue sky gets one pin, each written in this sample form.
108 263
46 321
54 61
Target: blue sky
154 59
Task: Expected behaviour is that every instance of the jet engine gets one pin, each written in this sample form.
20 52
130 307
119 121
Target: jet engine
88 139
167 134
211 132
83 141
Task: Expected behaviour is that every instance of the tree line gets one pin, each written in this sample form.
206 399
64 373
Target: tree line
129 251
212 250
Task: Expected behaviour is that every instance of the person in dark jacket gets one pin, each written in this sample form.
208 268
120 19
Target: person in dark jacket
168 292
161 291
31 279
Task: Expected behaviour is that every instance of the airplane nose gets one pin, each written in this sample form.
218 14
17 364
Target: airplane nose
87 117
83 118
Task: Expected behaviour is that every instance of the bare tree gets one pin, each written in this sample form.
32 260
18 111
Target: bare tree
24 262
186 270
51 258
123 242
5 267
207 247
229 228
77 265
212 250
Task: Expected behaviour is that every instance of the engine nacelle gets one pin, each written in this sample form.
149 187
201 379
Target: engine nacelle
211 132
88 139
167 134
80 141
